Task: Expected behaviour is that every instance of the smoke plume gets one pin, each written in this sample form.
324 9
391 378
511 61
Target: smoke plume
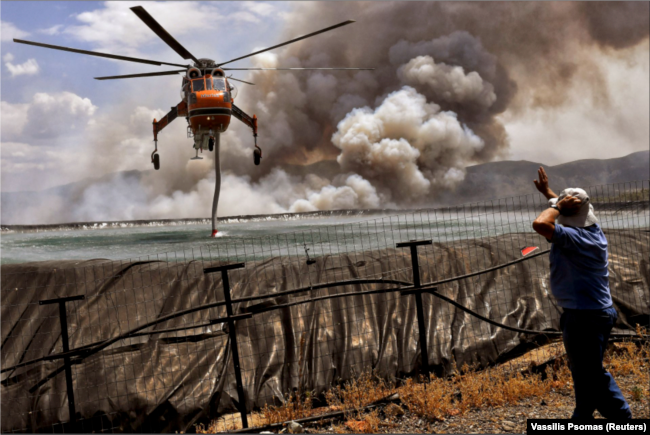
444 73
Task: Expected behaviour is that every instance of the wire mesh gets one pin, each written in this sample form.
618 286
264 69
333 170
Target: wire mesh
326 306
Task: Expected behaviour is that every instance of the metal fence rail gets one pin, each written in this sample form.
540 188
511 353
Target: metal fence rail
161 342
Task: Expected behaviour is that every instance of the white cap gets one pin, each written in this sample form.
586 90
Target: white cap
585 216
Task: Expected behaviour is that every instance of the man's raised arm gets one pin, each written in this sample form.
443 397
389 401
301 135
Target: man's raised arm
542 184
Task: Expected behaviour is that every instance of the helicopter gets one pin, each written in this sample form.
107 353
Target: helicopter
207 94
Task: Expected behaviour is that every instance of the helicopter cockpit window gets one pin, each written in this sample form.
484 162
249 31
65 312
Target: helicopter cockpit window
219 84
198 85
208 84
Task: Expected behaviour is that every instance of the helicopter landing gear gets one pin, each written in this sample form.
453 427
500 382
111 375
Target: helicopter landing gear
257 154
155 157
199 143
210 141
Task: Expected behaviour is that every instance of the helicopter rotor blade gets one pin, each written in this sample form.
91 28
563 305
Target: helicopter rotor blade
95 53
152 74
239 80
162 33
295 69
344 23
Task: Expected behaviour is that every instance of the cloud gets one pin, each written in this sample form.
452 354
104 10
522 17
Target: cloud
45 117
51 115
8 32
67 129
13 119
54 30
254 12
105 27
18 157
260 8
30 67
245 17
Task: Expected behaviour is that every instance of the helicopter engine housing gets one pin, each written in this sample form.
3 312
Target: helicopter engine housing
193 73
218 72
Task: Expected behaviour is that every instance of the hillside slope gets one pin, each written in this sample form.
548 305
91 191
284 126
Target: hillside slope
511 178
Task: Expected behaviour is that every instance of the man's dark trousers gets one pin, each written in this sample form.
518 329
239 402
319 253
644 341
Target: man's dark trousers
585 334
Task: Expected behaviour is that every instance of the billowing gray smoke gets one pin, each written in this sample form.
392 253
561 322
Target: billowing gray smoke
445 71
400 134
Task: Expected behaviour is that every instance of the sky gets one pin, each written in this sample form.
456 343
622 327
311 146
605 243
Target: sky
36 144
544 93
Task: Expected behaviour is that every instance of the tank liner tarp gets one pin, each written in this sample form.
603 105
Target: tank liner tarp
170 380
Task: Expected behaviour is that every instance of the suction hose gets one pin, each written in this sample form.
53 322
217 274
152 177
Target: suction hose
217 183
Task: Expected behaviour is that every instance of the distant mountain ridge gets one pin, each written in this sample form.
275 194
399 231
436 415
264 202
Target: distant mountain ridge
513 178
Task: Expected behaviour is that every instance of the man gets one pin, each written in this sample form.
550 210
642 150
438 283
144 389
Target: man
580 283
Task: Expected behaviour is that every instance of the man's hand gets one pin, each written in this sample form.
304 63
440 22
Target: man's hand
542 184
569 205
545 222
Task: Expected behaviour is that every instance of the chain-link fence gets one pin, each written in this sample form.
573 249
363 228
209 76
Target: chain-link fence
162 342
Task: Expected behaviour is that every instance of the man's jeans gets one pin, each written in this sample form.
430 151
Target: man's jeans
585 334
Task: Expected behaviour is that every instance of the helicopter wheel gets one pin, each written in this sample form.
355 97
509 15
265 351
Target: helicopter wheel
211 144
257 156
156 161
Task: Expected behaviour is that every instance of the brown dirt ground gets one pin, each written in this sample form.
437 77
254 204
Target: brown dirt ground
511 418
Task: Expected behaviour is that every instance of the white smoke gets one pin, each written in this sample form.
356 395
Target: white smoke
278 192
405 146
355 193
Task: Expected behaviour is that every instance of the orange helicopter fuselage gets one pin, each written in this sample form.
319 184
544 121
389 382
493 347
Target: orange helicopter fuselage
209 107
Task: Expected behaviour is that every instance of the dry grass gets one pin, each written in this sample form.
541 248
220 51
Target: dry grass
370 423
632 358
358 392
469 389
465 390
293 408
230 422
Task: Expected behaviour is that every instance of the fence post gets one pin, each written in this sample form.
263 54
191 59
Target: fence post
233 334
63 318
424 354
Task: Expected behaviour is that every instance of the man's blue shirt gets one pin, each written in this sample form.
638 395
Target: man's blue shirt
579 275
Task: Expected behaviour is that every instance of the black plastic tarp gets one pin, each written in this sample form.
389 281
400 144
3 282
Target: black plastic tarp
170 380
